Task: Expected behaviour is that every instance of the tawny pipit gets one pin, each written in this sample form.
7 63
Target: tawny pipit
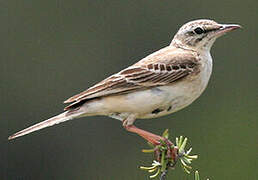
159 84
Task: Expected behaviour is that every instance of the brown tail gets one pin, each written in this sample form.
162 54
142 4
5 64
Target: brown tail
50 122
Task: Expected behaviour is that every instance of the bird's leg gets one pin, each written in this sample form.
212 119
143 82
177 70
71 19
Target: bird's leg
155 140
150 137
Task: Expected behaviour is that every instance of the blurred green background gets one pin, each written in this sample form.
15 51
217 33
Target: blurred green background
51 50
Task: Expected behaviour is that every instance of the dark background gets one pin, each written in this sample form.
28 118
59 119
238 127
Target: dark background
51 50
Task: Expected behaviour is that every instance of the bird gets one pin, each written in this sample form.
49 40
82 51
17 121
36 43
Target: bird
162 83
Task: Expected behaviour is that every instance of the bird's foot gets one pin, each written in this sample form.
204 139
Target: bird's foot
171 152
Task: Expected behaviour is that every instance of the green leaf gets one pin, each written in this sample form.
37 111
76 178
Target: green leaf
148 150
165 134
192 156
156 174
180 141
147 168
182 147
196 176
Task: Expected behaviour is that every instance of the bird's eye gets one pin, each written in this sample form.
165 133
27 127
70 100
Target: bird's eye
198 30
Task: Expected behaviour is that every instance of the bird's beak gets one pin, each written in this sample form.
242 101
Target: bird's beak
224 28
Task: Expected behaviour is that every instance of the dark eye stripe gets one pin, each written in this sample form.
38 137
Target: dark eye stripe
199 30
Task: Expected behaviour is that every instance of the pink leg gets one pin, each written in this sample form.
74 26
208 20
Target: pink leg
155 140
150 137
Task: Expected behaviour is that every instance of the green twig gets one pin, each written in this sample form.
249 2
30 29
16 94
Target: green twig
167 154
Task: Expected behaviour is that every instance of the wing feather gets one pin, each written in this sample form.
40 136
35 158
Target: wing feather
138 77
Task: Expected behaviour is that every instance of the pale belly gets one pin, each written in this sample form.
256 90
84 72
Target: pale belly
155 102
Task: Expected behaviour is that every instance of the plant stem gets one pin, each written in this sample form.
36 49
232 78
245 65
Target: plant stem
163 175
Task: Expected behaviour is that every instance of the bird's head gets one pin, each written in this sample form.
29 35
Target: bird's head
201 34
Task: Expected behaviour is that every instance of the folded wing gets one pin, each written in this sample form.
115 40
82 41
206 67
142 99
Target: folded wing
136 77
